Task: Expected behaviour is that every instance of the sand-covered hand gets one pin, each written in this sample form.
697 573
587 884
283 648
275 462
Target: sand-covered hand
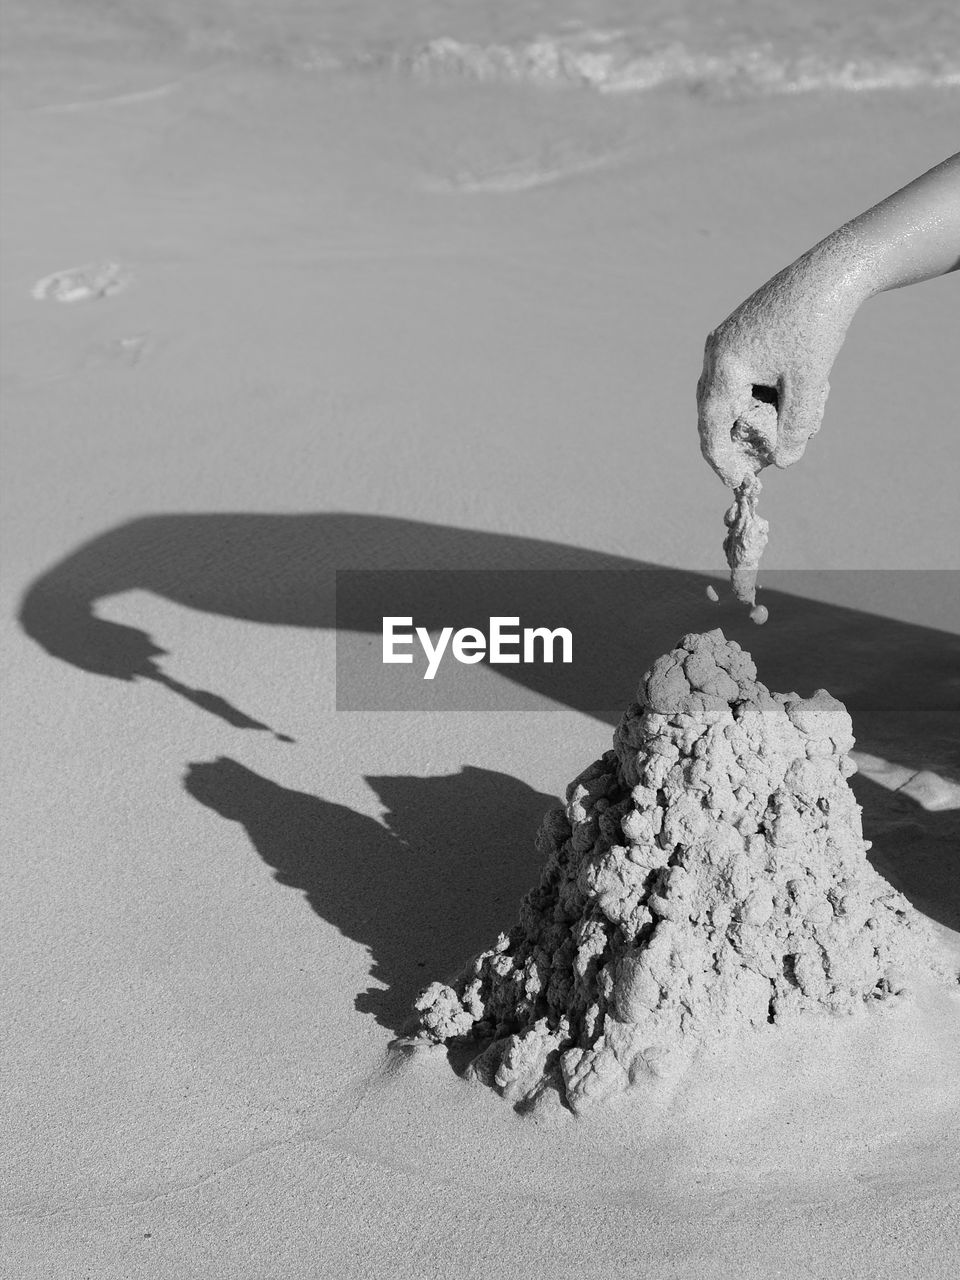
779 345
764 384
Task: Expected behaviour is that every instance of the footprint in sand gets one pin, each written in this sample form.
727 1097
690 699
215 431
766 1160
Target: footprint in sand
80 284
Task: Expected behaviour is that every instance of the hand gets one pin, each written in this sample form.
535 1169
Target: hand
764 384
67 627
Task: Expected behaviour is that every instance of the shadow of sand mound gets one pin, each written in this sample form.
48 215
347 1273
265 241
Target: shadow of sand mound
438 878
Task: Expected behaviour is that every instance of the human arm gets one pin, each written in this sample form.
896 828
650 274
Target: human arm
777 347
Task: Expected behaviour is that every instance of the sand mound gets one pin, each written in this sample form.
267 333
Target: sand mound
707 875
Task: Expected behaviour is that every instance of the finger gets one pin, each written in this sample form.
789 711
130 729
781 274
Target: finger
802 401
756 430
723 393
716 420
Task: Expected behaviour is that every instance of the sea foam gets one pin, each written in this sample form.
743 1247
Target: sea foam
727 48
609 65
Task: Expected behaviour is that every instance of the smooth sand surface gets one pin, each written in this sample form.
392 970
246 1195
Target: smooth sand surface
483 312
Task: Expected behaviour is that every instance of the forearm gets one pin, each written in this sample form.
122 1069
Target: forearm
785 337
912 235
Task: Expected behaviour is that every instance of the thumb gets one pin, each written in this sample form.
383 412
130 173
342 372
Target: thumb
802 401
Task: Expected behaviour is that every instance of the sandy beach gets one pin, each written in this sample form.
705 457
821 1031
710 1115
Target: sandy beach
366 322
